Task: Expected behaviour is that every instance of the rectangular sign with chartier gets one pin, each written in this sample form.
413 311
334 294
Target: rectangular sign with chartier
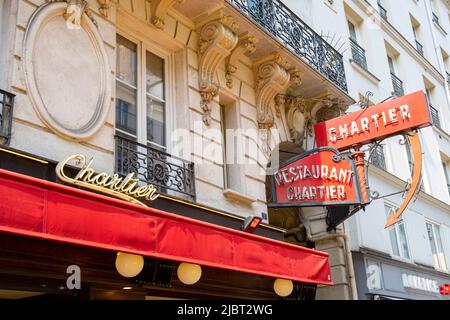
375 123
321 177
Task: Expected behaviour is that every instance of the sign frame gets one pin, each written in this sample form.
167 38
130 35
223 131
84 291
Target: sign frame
338 157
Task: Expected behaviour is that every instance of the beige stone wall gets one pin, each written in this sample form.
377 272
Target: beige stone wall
29 133
180 36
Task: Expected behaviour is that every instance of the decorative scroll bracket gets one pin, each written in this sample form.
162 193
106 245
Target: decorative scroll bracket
246 45
272 78
217 40
416 148
159 10
303 113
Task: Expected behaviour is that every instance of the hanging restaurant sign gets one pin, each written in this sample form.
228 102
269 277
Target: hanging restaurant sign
320 177
375 123
125 188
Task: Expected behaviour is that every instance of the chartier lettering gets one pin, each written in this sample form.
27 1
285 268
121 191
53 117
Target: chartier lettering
366 124
126 188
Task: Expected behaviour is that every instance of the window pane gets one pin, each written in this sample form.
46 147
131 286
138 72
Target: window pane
156 122
126 61
392 234
431 238
352 30
155 76
126 85
126 108
403 242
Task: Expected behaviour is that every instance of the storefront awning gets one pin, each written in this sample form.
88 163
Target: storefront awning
42 209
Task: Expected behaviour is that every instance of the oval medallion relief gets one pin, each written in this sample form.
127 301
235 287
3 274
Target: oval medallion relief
67 73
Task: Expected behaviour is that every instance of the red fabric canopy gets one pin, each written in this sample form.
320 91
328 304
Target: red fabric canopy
42 209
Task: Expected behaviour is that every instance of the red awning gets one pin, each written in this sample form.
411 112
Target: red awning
42 209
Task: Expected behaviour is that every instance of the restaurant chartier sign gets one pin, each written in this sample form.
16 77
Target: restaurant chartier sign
126 188
316 178
321 177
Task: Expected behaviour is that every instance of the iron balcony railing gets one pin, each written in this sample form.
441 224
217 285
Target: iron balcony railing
6 115
397 84
383 12
152 166
358 54
435 117
286 27
419 48
378 159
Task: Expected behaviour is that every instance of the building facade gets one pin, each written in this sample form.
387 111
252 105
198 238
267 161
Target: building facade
201 99
155 89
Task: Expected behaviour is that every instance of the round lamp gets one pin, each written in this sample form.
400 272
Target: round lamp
189 273
129 265
283 288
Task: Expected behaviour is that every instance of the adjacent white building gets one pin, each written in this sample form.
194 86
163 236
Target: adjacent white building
395 48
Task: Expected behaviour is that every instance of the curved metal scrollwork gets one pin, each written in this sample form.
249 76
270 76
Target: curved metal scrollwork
155 167
280 22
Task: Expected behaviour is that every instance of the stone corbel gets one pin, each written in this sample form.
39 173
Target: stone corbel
272 78
246 45
217 40
297 118
159 10
325 108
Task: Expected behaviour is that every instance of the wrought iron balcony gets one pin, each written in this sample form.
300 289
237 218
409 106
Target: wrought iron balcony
383 12
397 84
280 22
168 173
435 117
419 48
378 159
358 54
6 115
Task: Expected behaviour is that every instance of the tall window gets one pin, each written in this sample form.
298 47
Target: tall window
446 175
434 238
391 65
352 30
397 236
141 96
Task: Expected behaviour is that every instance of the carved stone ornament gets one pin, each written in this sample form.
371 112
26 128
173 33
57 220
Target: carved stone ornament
104 7
217 40
75 9
67 71
159 10
302 114
246 45
272 78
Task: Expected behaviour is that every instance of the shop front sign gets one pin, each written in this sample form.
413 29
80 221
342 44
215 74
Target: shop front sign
321 177
419 283
375 123
126 188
